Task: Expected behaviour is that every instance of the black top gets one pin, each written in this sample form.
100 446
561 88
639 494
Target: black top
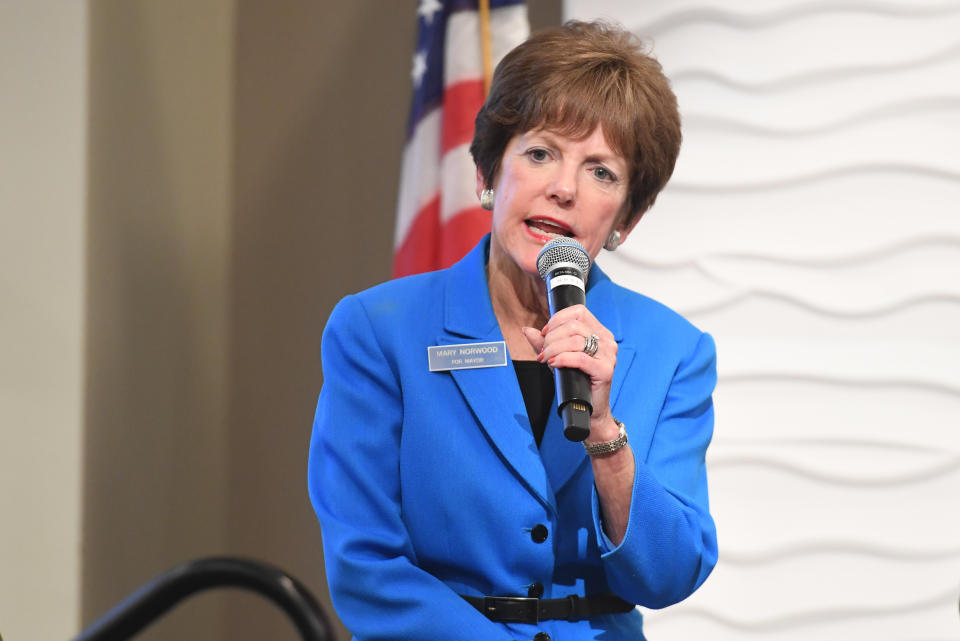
536 385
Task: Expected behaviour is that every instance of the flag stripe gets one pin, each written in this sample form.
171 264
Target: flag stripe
461 233
463 51
432 242
419 173
509 27
460 106
419 250
458 182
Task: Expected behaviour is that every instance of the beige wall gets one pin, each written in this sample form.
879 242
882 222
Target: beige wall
158 260
320 100
196 185
42 125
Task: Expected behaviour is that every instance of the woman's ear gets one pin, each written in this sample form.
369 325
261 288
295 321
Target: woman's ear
625 229
481 183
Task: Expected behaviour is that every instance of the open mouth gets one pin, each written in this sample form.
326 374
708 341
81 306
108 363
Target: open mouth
549 228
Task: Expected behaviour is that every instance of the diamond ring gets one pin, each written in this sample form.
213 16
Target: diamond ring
591 344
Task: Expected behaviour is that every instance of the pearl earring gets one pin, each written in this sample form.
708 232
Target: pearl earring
613 241
486 199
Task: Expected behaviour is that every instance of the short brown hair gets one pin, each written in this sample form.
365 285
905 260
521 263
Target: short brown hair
569 79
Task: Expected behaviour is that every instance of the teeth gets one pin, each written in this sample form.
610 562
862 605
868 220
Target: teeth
546 228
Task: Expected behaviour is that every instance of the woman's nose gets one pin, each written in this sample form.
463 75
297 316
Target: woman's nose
563 188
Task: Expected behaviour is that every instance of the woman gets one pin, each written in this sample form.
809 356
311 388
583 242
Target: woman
451 505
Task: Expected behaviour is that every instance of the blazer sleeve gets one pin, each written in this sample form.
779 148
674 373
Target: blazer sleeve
670 545
354 482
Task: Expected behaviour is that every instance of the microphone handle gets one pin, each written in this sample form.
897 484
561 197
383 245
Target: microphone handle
574 400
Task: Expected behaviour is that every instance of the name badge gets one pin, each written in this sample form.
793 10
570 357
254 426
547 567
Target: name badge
467 356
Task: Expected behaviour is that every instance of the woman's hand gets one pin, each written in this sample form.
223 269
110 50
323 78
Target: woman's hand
561 343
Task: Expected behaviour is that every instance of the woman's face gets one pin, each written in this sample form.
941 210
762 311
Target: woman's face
553 185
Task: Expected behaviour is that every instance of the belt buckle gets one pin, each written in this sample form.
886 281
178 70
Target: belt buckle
512 609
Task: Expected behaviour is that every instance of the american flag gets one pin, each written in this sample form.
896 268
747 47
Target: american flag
438 216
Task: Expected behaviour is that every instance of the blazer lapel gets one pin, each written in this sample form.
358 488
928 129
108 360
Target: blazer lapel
602 304
561 457
491 392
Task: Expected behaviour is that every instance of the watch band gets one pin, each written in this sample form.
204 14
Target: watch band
608 447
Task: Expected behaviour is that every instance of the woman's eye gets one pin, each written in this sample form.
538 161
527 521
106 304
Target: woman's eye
604 174
538 155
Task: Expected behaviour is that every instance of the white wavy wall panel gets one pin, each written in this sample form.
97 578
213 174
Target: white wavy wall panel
813 227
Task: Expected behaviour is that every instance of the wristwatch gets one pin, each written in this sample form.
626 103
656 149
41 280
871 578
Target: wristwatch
608 447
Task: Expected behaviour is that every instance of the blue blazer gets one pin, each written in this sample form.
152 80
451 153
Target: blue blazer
428 485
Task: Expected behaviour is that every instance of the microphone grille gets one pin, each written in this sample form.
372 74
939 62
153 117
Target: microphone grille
562 250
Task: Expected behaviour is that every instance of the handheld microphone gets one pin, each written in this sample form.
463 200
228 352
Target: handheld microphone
563 263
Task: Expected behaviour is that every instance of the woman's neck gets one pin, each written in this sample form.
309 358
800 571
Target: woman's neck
519 300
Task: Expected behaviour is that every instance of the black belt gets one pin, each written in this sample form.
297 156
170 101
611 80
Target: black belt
509 609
